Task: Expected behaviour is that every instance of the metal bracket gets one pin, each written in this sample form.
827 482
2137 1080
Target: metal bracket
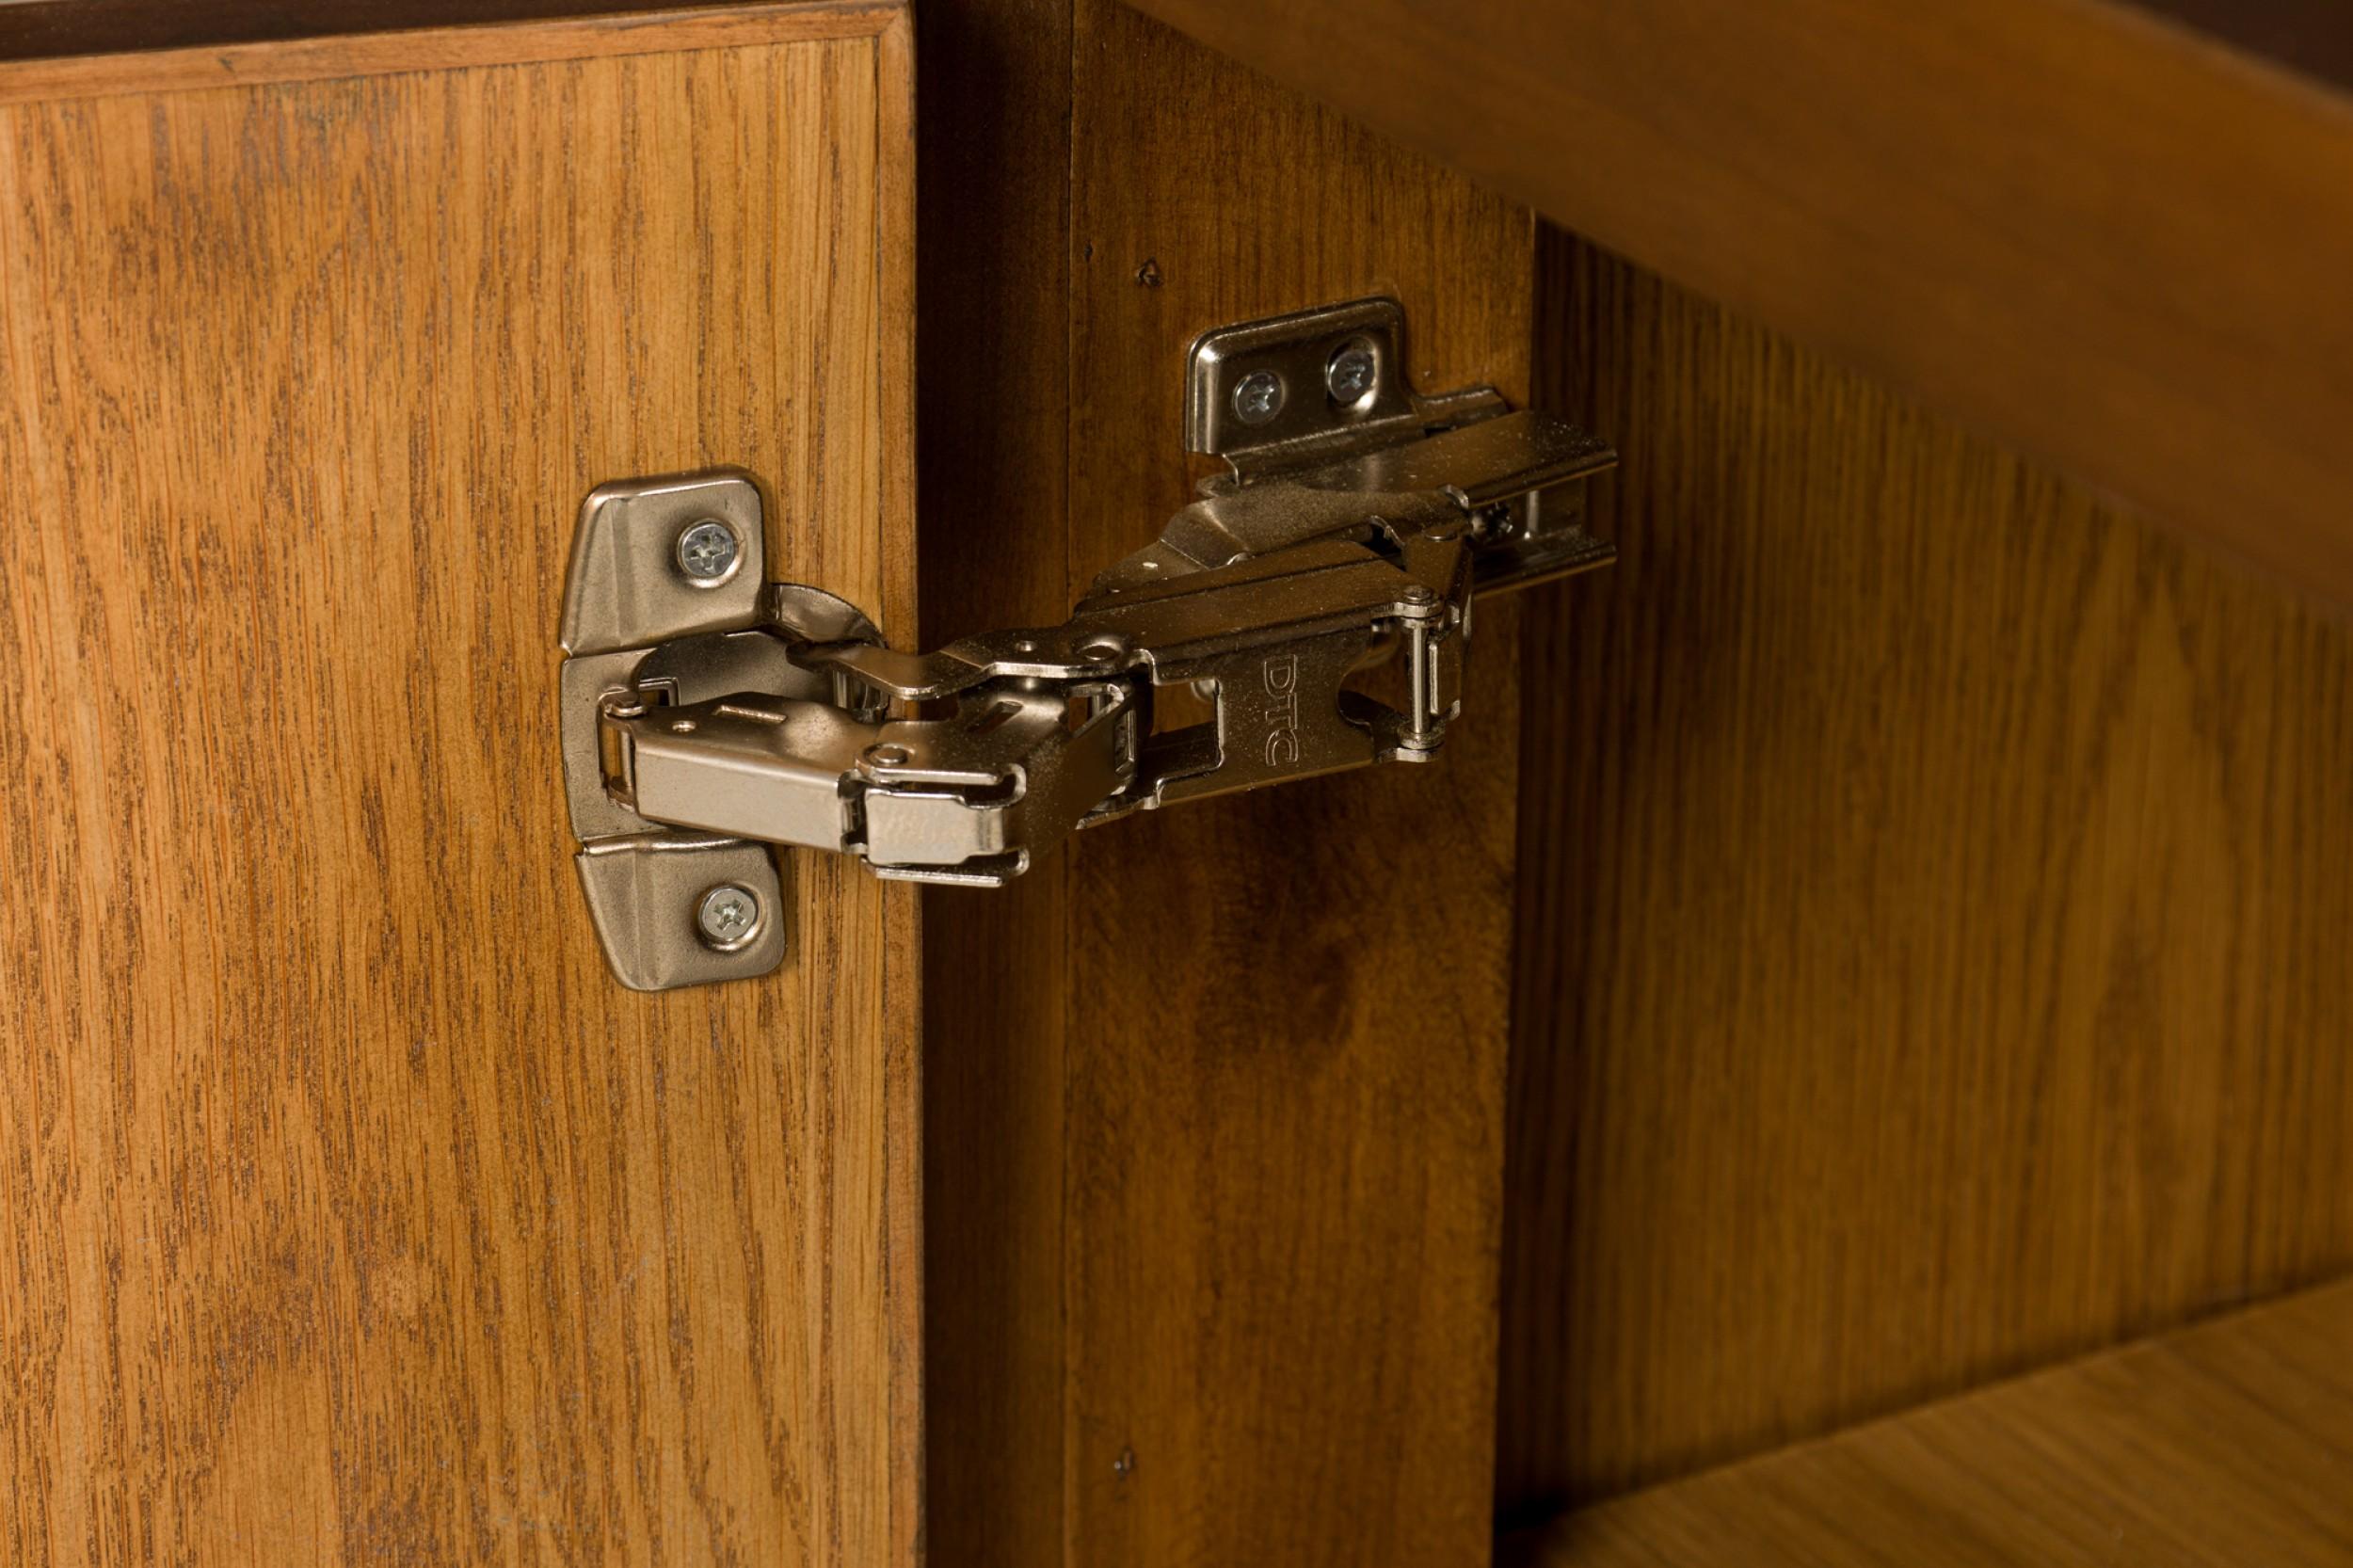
706 711
663 595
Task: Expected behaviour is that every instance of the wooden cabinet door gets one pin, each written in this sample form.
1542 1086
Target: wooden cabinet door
353 1212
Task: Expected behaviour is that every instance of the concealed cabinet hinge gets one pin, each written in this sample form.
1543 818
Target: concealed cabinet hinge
707 711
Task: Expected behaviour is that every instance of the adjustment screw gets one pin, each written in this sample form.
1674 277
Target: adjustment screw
1258 397
707 552
728 917
1352 374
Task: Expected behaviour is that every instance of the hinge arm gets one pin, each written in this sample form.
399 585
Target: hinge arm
1249 644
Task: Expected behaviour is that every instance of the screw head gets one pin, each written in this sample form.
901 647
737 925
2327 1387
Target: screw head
1258 397
1352 374
708 551
1419 594
889 755
728 917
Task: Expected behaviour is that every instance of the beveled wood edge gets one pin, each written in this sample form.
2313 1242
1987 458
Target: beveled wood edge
877 56
901 932
87 77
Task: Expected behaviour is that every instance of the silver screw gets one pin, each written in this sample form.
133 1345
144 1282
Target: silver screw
1419 594
1351 374
707 552
728 917
889 755
1258 397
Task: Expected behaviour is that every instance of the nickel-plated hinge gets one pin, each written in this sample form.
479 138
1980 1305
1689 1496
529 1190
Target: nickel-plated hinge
707 713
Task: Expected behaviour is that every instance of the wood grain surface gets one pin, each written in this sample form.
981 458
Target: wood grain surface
354 1212
993 345
45 29
1286 1027
2228 1445
1933 925
308 57
2112 242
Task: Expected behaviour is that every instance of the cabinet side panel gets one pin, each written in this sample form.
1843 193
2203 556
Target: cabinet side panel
356 1212
993 352
1287 1025
1934 918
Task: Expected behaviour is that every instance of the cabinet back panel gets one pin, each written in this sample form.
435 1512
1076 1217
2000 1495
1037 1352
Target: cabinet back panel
1934 915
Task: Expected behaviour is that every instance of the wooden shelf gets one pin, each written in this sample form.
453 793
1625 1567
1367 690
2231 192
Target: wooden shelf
2228 1444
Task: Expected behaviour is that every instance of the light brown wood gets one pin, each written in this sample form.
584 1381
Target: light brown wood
1934 917
2227 1445
356 1212
2105 239
310 60
1287 1025
44 29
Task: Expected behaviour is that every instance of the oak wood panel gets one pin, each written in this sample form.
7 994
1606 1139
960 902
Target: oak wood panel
313 58
993 382
2108 240
1287 1025
2229 1444
356 1212
1933 925
40 29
